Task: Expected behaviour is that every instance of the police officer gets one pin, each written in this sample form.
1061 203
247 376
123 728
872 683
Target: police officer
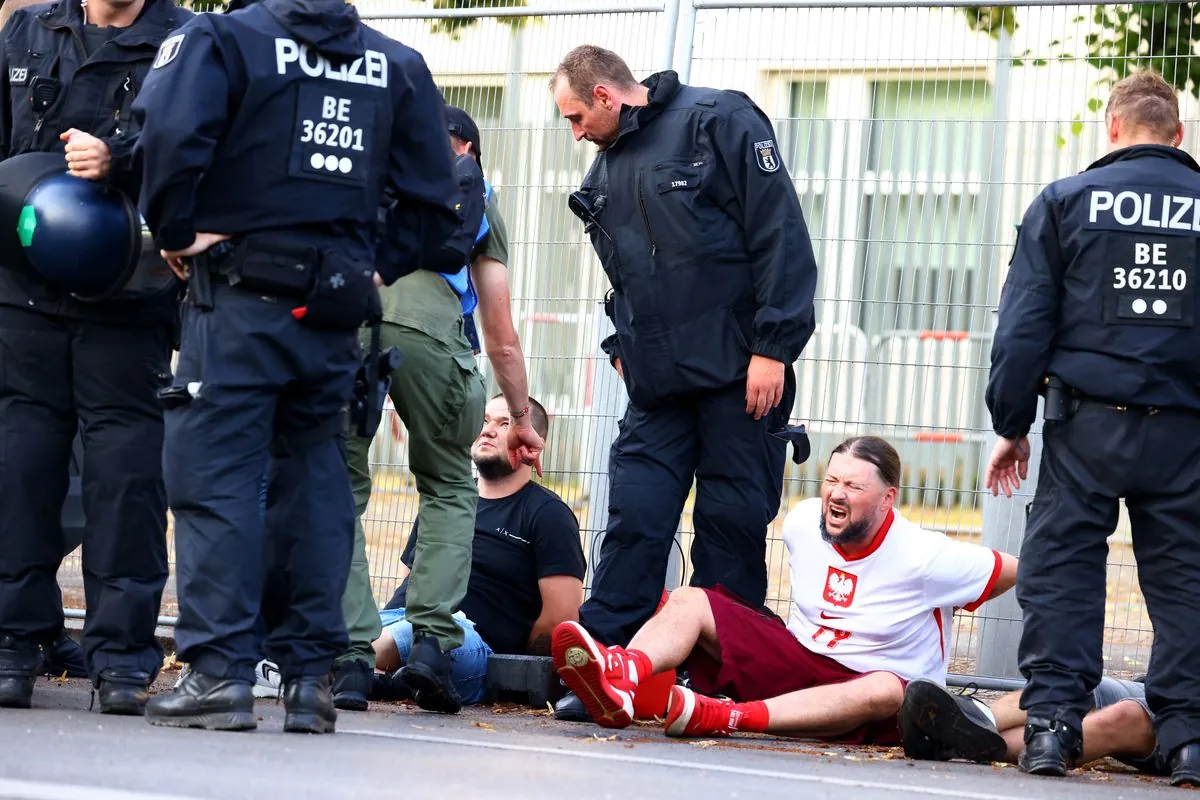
269 137
700 232
1099 313
440 395
70 74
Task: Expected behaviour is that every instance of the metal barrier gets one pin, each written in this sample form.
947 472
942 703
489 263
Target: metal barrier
915 132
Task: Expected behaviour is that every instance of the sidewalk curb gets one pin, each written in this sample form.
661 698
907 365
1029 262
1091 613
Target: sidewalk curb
164 634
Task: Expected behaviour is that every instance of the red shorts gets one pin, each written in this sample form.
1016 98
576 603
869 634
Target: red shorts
760 659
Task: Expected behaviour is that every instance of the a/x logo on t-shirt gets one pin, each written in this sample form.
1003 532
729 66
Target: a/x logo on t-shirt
839 588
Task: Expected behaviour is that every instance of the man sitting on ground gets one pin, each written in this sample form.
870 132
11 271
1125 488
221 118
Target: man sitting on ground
937 725
527 569
873 596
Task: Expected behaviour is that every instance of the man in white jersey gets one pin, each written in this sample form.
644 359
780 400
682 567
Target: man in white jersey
873 600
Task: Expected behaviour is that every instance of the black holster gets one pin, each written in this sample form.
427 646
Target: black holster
334 293
1061 400
373 380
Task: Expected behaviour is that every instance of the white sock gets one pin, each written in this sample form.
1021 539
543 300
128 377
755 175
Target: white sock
987 711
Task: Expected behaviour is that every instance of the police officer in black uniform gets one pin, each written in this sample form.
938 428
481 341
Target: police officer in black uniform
269 136
700 232
1098 312
69 76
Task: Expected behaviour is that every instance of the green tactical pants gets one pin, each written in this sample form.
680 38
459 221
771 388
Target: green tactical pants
440 395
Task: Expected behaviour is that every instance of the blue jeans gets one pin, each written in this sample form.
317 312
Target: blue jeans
468 663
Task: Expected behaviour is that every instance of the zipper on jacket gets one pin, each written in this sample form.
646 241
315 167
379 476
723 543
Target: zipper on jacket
646 217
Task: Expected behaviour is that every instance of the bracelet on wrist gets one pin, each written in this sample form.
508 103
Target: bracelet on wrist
518 414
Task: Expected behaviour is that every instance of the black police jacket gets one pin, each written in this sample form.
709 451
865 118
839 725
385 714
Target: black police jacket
1101 289
700 231
43 44
287 119
470 203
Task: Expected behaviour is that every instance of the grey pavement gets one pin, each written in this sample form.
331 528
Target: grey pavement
59 749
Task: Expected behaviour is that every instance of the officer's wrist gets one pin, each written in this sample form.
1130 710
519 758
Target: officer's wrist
520 416
176 237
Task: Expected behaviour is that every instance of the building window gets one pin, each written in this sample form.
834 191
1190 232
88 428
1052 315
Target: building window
922 201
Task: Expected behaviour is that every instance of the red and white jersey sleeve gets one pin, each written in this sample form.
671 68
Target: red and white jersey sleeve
888 608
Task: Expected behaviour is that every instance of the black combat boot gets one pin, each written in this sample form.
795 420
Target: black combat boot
1051 747
388 686
351 685
1184 763
19 664
124 691
571 709
202 701
937 725
64 657
309 704
427 675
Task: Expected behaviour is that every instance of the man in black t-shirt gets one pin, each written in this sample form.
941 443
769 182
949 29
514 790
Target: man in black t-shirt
527 567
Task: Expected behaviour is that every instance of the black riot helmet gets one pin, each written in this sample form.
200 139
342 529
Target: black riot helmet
82 237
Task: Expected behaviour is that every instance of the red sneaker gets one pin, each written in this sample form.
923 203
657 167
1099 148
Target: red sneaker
600 676
691 714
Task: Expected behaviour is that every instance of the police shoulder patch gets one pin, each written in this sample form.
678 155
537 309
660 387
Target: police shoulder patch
168 50
766 155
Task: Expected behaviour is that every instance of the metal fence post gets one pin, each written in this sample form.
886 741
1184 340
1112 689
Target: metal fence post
608 405
681 36
1003 528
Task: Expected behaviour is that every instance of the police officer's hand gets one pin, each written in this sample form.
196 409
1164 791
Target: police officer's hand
378 281
87 156
764 385
1008 466
524 445
202 242
617 367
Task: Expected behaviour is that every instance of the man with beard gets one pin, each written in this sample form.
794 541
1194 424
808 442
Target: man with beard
527 568
873 596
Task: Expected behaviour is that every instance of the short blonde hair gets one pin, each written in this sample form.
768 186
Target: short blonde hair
1144 100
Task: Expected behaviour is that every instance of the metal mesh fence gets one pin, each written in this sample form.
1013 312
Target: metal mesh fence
915 134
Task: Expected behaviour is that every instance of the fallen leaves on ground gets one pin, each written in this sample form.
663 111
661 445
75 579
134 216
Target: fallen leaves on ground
595 737
487 726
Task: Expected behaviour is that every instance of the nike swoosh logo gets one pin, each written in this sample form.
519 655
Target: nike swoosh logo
826 616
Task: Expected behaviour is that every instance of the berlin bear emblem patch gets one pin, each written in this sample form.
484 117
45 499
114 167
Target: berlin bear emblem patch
168 50
766 155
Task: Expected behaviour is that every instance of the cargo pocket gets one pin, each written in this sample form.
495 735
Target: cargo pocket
465 401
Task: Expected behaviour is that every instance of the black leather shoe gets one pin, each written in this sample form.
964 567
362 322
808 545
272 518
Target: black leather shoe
19 664
202 701
388 686
351 685
1184 762
936 725
124 691
427 675
1051 747
309 704
571 709
64 657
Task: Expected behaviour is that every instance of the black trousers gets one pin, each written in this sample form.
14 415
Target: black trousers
738 469
58 376
1152 460
250 586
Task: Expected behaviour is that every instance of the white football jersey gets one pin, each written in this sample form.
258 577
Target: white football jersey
889 608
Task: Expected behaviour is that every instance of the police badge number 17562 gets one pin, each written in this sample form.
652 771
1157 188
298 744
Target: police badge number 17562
335 113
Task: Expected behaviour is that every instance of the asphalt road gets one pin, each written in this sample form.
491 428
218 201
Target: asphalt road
61 750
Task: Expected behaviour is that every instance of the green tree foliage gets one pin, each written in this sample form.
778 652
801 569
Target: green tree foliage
452 26
1117 40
